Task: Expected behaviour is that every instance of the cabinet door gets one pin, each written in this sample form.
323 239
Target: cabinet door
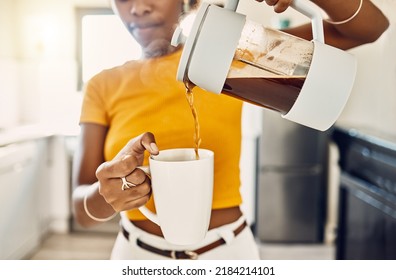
19 232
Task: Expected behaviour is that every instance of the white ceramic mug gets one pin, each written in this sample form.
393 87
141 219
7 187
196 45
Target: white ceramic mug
182 188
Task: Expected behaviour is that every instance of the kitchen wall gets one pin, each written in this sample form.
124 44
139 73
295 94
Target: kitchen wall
373 100
38 65
8 66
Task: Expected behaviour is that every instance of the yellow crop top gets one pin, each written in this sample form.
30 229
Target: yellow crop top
144 95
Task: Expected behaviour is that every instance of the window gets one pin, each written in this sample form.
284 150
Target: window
102 42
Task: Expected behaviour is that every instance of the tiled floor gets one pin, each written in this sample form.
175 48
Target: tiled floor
97 246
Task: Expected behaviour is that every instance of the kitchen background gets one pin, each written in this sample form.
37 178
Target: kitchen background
40 95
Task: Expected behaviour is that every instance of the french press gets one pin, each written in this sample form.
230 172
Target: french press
307 82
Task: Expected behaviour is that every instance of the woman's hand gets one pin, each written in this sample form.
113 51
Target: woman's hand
125 164
279 5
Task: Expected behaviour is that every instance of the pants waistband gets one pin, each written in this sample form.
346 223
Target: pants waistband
153 243
184 254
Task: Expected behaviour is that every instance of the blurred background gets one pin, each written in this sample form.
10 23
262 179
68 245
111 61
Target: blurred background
307 194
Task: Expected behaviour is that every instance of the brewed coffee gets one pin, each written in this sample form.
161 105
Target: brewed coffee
275 93
190 99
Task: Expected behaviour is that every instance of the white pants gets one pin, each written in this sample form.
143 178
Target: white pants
241 247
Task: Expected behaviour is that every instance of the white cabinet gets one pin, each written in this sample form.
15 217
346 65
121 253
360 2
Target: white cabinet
34 189
19 218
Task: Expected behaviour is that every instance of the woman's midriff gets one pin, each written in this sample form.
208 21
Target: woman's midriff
218 218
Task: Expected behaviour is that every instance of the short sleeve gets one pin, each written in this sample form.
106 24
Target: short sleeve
93 108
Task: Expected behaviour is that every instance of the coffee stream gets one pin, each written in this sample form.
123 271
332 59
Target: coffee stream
190 98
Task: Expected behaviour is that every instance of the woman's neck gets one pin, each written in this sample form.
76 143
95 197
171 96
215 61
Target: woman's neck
158 50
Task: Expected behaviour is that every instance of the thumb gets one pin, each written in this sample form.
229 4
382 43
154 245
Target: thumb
139 144
145 141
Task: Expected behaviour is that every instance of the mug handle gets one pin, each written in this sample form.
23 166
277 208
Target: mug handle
145 211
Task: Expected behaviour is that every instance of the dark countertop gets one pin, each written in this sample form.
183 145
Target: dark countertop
370 135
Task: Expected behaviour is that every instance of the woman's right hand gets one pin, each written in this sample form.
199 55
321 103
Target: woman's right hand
125 164
279 5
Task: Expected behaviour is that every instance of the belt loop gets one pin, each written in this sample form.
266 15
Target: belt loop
227 234
173 254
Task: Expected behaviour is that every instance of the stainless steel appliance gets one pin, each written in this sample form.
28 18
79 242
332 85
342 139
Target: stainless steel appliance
366 227
292 180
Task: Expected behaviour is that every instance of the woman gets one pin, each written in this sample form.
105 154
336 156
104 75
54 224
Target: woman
130 109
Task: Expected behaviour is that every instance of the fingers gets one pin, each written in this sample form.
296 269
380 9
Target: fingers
271 2
131 156
131 198
146 142
138 145
279 5
118 168
133 204
135 178
125 164
110 176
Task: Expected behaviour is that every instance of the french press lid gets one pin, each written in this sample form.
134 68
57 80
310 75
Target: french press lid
210 46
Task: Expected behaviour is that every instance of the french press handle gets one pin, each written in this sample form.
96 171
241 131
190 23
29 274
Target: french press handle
305 7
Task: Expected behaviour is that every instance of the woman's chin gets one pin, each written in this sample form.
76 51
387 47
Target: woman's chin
157 48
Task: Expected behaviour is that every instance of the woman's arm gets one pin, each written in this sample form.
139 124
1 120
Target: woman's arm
88 157
366 27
